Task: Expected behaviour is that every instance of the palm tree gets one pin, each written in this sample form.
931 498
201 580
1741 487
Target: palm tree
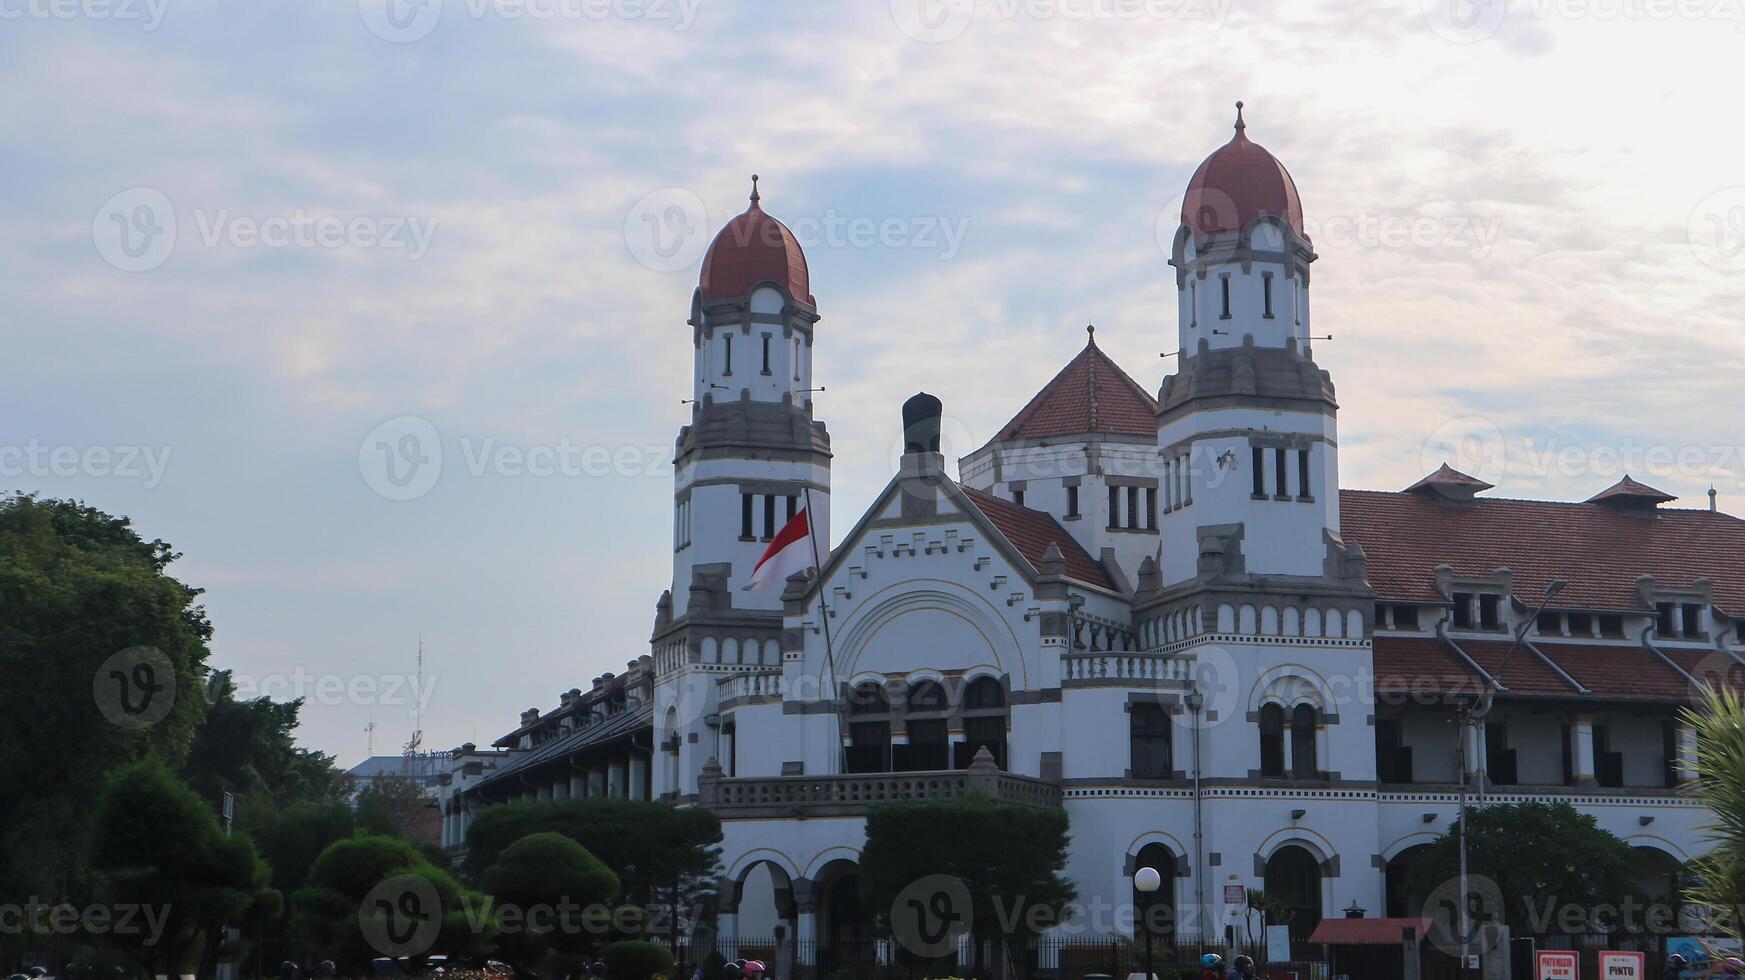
1718 877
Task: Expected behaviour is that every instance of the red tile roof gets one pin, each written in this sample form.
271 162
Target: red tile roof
1239 182
752 248
1524 673
1091 395
1625 673
1032 531
1367 932
1712 667
1600 550
1411 665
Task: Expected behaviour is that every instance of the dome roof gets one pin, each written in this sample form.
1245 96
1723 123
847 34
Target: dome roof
1239 182
754 248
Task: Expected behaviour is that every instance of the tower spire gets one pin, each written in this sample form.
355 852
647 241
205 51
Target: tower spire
1240 125
755 196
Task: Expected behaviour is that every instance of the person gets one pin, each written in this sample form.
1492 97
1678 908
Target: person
1211 967
1241 968
1675 967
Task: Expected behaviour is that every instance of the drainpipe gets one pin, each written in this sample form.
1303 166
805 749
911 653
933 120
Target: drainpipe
1195 703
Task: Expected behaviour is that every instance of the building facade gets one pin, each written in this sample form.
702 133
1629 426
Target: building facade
1161 614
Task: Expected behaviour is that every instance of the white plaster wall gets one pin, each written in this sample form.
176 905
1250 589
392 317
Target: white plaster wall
715 522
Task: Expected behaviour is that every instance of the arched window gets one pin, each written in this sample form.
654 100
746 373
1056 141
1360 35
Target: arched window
984 722
926 696
869 729
1293 876
984 692
1303 742
1150 748
1156 911
868 698
929 747
1272 739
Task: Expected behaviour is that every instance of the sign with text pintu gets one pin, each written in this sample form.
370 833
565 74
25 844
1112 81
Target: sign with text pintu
1616 965
1557 966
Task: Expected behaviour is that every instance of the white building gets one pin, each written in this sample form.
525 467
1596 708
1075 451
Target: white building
1160 614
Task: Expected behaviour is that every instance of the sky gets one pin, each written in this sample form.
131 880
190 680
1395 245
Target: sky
253 254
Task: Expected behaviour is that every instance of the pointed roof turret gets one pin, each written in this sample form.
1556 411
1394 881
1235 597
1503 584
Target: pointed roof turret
1090 396
1628 493
1451 483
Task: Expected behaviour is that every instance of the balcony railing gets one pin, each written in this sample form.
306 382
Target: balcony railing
851 793
759 685
1087 669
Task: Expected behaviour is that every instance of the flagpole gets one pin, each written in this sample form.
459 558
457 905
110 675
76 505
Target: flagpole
824 617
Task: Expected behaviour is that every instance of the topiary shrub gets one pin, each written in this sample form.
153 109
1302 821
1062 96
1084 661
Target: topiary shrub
634 959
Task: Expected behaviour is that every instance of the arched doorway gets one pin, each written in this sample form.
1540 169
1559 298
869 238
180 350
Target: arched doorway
845 930
1155 912
1662 879
1293 877
1402 900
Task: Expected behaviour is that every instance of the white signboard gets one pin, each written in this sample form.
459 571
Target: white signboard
1278 944
1622 966
1557 966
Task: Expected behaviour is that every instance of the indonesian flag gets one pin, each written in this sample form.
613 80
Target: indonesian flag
789 552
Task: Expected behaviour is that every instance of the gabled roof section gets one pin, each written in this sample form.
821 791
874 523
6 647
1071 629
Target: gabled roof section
1450 482
1601 551
1631 493
1090 396
1033 532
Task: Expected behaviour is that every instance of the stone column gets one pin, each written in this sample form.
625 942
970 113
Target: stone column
638 775
560 788
578 785
615 779
1686 748
1581 737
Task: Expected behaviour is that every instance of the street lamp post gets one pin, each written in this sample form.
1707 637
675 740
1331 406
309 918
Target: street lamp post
1146 880
1468 714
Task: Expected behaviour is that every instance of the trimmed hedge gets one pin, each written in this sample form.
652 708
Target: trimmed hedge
634 959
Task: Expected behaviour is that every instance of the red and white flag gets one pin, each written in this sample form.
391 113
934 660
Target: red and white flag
789 552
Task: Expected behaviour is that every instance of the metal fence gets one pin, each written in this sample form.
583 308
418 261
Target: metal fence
1075 958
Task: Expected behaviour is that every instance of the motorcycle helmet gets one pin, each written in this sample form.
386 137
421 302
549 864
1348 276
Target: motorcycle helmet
1211 961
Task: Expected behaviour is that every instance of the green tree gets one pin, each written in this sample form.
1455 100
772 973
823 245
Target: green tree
1719 876
368 896
556 890
663 855
157 846
1543 857
1010 858
249 748
78 587
393 806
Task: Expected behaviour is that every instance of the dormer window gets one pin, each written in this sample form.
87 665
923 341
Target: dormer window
1490 611
1666 623
1463 610
1692 621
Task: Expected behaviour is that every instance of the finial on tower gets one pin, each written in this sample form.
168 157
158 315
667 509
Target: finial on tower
1240 125
755 196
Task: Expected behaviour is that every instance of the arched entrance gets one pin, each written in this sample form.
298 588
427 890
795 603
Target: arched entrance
1293 877
1155 912
1403 901
1662 879
845 929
